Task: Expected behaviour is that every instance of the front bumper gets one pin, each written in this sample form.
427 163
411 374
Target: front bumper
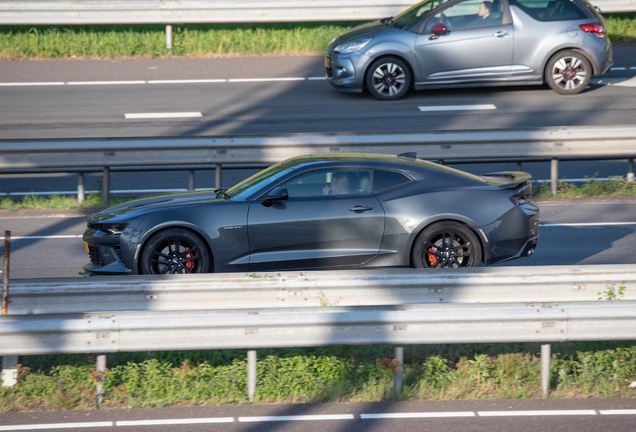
346 71
105 254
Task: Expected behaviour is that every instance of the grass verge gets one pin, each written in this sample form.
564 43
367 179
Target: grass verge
334 374
200 40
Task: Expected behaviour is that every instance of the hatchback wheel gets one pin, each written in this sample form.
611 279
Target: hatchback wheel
388 78
174 251
568 72
446 245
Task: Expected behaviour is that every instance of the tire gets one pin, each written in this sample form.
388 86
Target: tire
433 247
175 251
568 72
388 78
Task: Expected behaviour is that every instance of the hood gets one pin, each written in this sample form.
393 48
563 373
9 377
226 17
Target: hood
369 29
143 205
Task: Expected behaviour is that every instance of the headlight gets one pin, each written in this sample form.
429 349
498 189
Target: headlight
351 47
110 228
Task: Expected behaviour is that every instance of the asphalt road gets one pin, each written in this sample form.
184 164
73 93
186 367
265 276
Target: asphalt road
588 232
580 415
92 98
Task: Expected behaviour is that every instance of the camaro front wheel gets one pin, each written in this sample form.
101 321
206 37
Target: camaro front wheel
446 245
568 72
174 251
388 78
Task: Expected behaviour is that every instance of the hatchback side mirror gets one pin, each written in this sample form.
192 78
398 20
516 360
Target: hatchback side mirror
439 29
276 194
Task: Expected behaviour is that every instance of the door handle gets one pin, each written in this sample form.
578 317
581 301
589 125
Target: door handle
360 208
501 34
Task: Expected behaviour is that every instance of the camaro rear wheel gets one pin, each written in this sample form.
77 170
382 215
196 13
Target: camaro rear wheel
175 251
388 78
446 245
568 72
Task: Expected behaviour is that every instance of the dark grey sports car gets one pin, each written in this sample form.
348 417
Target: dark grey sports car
324 211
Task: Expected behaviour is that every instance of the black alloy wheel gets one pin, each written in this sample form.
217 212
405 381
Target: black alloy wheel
446 244
568 72
175 251
388 78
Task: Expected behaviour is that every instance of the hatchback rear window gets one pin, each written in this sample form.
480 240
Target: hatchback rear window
551 10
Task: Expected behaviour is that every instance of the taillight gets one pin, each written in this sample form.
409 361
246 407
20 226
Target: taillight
518 199
597 29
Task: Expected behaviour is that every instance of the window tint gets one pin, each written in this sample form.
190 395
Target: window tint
387 179
330 182
412 14
551 10
468 14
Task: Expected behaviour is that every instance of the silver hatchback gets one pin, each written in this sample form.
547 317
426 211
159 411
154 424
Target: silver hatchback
473 43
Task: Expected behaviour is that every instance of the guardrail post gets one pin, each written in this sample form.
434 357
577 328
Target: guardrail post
101 369
168 36
106 186
545 368
398 369
554 175
519 166
81 192
630 169
9 371
191 180
218 174
251 374
5 275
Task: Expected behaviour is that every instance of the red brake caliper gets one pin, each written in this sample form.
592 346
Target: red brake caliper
190 264
432 258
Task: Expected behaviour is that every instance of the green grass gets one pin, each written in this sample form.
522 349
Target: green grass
200 40
616 186
335 374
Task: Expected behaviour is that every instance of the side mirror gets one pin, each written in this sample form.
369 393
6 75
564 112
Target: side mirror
276 194
439 29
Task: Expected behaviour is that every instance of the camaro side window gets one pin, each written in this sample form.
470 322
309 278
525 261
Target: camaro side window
387 179
330 182
469 14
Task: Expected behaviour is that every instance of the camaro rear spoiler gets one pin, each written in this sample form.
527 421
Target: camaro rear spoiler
508 179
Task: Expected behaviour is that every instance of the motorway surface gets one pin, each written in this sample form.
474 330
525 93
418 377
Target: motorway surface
580 415
590 231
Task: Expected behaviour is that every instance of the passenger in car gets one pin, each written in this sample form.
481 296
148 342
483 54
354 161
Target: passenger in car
486 16
339 185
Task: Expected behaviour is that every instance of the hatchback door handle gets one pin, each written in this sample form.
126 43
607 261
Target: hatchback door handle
501 34
360 208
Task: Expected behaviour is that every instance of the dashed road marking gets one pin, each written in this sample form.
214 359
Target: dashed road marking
163 115
457 107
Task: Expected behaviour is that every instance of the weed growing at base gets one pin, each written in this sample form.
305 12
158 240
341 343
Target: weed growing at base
334 374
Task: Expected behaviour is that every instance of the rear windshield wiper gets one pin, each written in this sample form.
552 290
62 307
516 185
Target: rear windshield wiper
220 193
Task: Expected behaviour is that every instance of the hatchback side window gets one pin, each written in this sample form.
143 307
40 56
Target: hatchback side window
387 179
468 14
330 182
551 10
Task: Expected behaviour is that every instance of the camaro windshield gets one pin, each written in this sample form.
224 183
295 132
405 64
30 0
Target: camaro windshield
260 180
414 13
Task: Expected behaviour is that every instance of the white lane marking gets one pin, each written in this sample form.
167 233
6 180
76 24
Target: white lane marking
56 426
183 81
618 412
618 68
586 224
297 418
32 84
104 82
198 81
72 236
162 115
535 413
234 80
632 68
418 415
175 421
458 107
618 82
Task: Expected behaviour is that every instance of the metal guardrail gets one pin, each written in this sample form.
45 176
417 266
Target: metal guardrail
31 12
373 307
519 286
548 143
